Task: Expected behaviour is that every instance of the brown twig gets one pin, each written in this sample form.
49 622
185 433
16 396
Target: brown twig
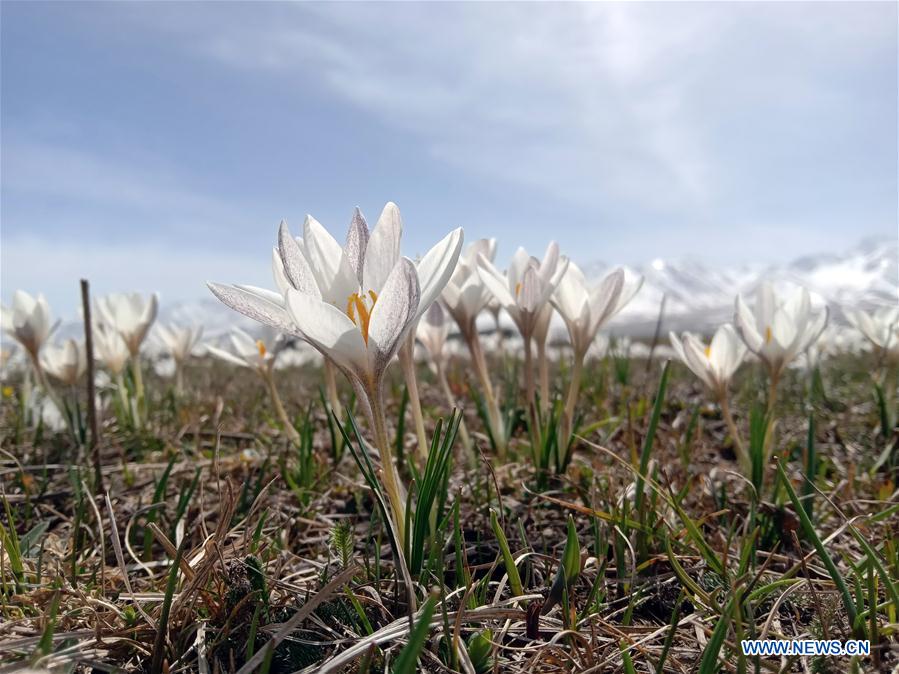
91 392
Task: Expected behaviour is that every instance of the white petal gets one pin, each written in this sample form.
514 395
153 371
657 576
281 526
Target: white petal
225 355
330 330
496 283
356 243
294 264
383 250
333 274
255 306
437 266
393 314
745 324
604 299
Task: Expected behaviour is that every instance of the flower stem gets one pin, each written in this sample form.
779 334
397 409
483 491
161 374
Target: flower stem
123 392
543 368
388 469
574 388
331 388
138 389
493 414
407 363
451 399
54 397
530 389
742 457
179 378
292 433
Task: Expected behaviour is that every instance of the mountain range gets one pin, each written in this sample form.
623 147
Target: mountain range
697 296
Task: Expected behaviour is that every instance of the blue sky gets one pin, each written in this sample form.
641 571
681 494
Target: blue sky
153 146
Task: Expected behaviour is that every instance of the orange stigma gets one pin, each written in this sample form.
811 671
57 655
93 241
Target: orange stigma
359 312
768 335
260 345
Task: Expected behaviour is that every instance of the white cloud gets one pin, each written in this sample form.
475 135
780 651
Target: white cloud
619 103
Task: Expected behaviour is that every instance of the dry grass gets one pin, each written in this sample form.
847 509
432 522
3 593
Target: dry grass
307 566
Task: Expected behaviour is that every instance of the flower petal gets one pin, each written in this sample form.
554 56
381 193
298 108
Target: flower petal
356 243
295 266
329 330
255 306
383 250
394 312
437 266
496 283
333 274
745 324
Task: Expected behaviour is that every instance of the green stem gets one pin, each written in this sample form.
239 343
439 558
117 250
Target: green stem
388 468
123 392
574 388
543 368
407 363
179 378
292 433
493 414
742 457
138 389
331 388
451 399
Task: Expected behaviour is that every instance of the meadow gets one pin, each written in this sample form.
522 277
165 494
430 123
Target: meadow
379 483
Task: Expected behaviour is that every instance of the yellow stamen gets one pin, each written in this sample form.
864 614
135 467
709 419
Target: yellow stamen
517 289
768 335
359 313
260 345
708 351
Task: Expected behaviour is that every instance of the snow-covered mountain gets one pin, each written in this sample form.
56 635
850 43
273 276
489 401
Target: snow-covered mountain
697 296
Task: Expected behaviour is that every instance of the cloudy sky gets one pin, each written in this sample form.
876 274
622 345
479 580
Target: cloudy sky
153 146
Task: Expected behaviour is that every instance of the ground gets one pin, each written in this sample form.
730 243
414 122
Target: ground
285 544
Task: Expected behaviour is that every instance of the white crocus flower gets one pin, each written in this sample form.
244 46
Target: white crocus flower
524 292
248 352
180 342
112 351
464 297
778 331
348 277
355 304
715 365
257 356
65 363
585 309
28 322
432 331
131 315
880 327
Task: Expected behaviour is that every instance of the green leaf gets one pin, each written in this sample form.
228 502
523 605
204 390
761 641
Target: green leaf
407 661
508 561
709 662
812 536
569 568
